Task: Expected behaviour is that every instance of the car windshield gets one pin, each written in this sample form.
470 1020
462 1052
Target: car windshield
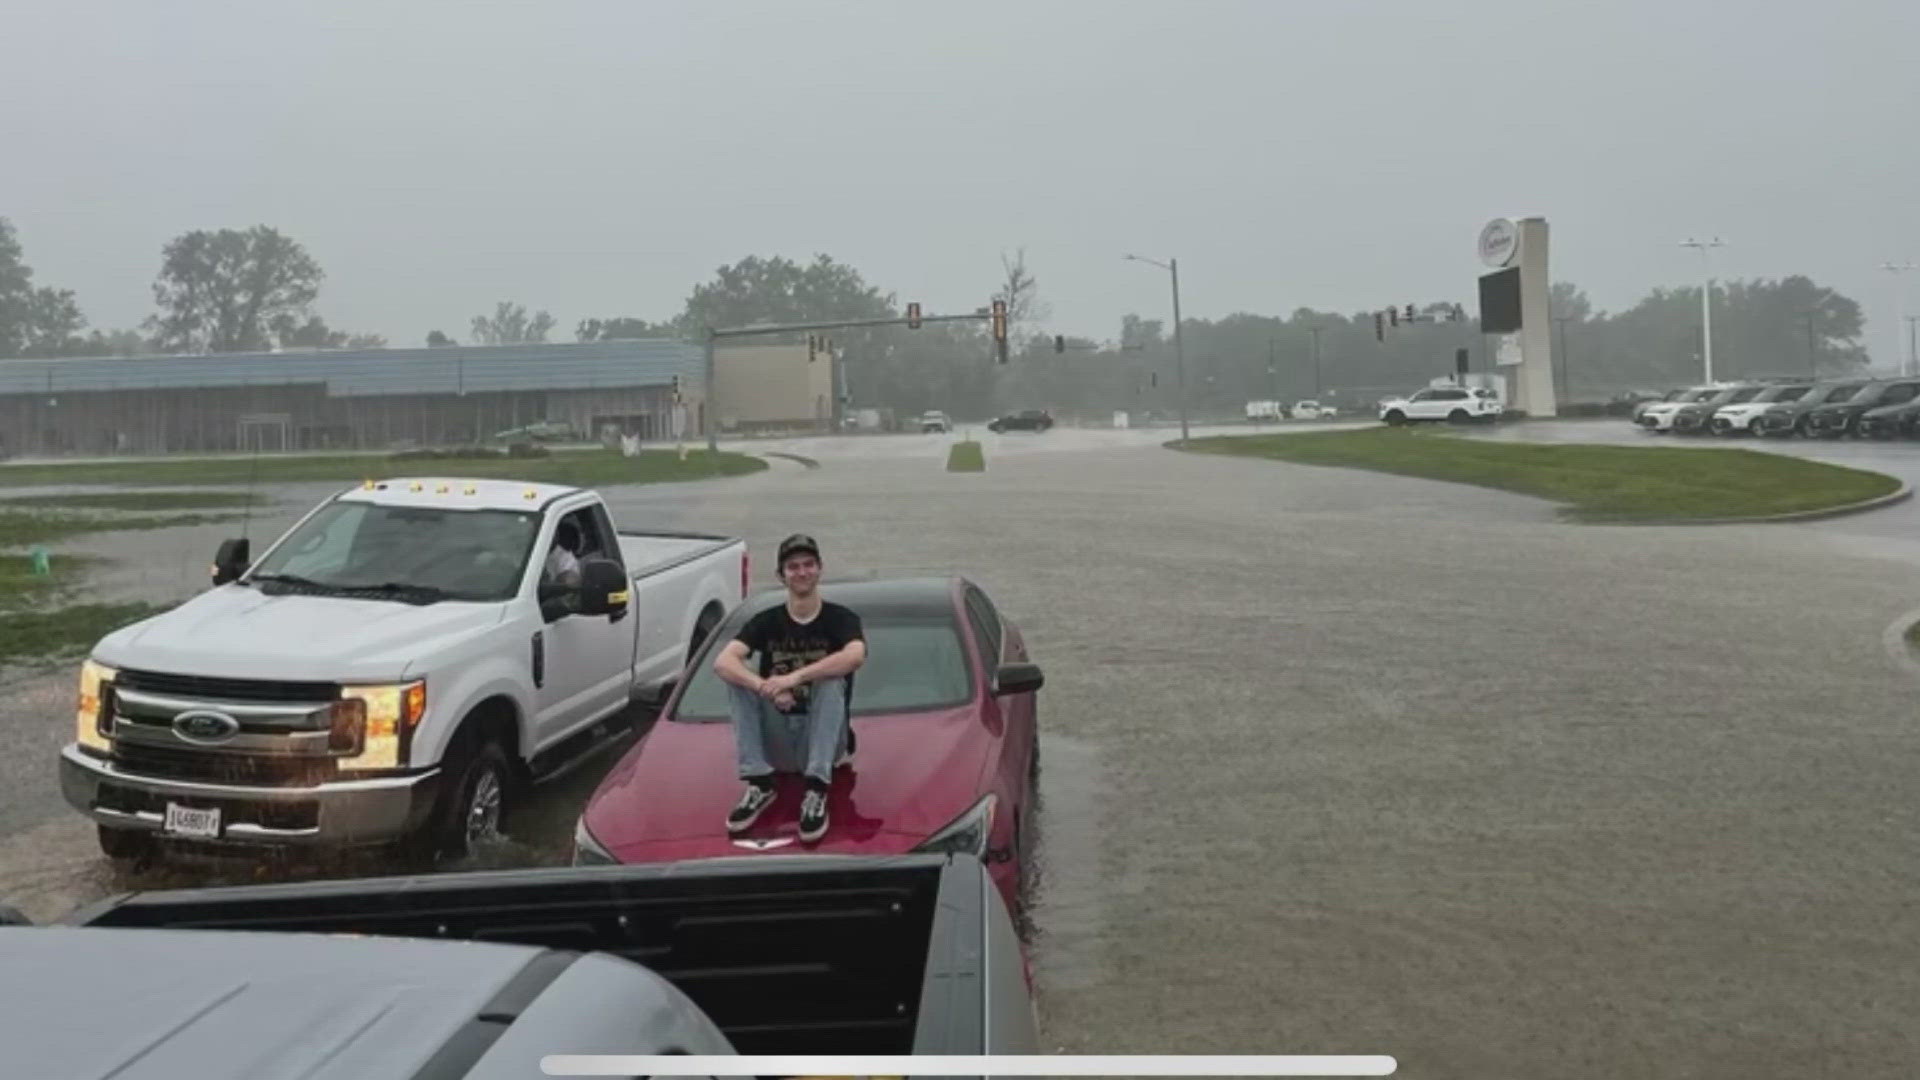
1868 394
1778 393
913 664
353 545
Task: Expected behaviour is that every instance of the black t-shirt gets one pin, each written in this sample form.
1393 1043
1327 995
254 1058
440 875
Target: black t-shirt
785 645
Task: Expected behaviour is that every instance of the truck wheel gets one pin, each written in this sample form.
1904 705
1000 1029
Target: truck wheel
1457 416
1396 418
125 845
473 806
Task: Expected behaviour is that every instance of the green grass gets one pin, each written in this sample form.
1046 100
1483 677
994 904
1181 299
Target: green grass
135 500
592 468
966 457
21 527
1596 483
67 631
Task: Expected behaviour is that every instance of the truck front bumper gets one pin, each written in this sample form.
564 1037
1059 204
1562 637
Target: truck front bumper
343 813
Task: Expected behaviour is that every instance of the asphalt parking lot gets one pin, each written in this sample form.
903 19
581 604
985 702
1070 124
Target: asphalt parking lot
1339 762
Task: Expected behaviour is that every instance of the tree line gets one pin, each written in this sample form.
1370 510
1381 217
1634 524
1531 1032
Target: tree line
247 290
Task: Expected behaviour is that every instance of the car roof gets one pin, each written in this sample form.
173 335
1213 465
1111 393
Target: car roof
457 493
882 596
153 1004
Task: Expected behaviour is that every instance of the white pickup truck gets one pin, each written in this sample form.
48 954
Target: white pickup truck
396 667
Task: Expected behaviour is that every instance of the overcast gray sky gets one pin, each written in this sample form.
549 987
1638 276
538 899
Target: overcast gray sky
597 158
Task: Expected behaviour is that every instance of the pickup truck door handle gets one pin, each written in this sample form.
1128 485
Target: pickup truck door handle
539 659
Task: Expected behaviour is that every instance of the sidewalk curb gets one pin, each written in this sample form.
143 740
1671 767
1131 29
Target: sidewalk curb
1902 494
801 458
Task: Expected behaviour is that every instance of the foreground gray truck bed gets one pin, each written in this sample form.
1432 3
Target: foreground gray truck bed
794 954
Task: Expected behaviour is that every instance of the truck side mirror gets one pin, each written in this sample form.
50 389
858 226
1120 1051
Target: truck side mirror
1017 679
603 588
232 560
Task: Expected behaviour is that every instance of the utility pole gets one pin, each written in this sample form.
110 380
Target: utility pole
1706 299
1315 331
1560 365
1172 267
1908 361
1912 321
1813 352
1273 378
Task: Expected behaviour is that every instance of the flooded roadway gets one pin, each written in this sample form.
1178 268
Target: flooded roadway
1338 762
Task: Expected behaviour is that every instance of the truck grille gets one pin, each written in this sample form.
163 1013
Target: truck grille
201 686
254 770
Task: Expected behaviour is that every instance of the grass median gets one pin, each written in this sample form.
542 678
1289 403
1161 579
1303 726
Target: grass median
966 457
582 468
1617 484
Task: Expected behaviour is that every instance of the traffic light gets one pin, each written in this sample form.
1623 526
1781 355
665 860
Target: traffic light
1393 315
999 319
1379 327
813 346
676 389
913 315
1059 343
1409 314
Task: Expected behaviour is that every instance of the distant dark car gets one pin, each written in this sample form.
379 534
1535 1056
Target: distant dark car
1783 419
1843 418
1030 420
1891 421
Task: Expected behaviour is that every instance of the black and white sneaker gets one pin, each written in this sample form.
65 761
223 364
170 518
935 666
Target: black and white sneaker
813 814
753 802
846 752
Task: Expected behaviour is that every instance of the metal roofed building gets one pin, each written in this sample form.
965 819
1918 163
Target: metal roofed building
346 398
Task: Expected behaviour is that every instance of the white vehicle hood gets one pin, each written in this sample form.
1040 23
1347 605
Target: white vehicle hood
236 632
1664 408
1747 408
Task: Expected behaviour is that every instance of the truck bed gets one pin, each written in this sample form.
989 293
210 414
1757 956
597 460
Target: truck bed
787 954
647 553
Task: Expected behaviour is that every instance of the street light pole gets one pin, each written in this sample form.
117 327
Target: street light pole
1813 352
1273 378
1172 267
1706 299
1907 362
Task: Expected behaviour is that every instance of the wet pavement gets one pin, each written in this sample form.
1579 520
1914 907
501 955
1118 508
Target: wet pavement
1337 762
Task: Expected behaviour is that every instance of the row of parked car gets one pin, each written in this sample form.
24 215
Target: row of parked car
1830 409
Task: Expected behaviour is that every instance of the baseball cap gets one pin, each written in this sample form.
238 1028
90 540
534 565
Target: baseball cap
796 544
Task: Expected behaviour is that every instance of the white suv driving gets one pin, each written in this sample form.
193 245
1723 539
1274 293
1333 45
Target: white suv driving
1454 404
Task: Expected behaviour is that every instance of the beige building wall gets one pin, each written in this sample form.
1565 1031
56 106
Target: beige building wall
768 385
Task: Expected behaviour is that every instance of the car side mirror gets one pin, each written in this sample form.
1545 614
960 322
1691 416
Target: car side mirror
1017 679
603 588
232 559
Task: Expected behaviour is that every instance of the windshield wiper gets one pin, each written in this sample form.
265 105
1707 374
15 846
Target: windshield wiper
425 594
294 580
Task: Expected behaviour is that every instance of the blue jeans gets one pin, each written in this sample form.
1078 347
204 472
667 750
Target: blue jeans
769 741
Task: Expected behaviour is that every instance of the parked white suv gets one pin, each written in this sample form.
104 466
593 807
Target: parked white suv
1454 404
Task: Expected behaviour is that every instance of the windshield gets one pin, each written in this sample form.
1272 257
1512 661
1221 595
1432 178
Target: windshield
1868 394
1841 393
460 554
913 665
1778 393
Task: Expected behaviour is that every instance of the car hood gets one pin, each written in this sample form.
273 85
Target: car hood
911 774
1745 408
1880 412
1663 408
235 631
1839 407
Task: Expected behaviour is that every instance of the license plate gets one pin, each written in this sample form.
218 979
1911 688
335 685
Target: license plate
188 821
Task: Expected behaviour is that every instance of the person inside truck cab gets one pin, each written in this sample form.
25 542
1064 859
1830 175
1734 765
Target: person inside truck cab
563 559
793 710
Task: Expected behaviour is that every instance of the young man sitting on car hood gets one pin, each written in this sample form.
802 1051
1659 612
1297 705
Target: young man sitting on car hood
795 706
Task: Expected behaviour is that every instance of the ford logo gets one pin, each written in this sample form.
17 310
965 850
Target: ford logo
204 727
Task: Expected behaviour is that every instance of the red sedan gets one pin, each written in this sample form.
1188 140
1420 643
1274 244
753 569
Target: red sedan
945 755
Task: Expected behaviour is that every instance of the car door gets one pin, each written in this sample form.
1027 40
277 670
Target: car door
1421 405
586 661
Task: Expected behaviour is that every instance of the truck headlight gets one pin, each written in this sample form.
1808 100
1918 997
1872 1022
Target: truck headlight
379 720
587 850
95 714
967 833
